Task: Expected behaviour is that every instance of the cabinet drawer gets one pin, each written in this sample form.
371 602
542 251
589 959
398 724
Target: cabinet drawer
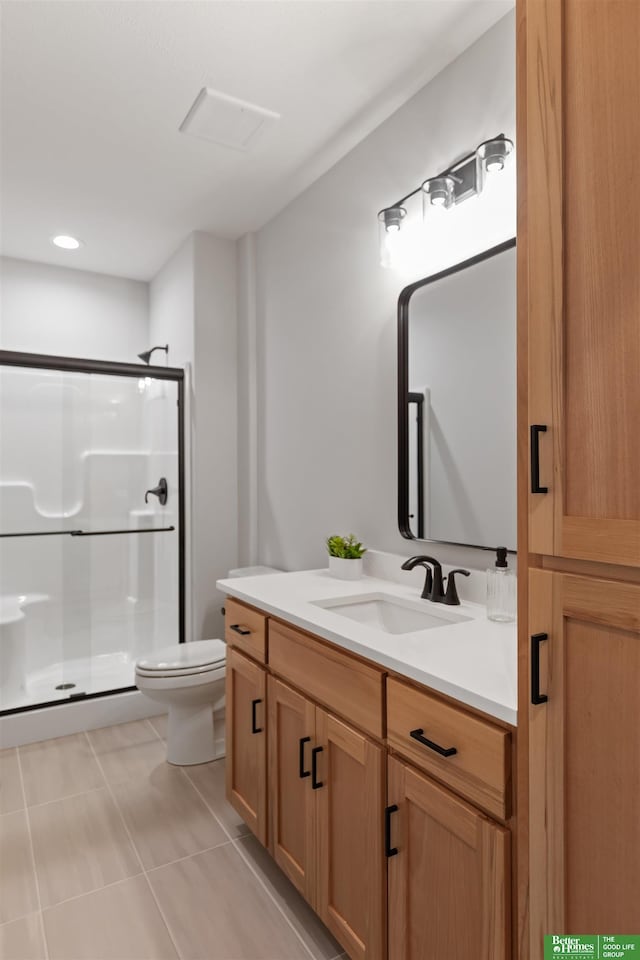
351 688
246 629
480 767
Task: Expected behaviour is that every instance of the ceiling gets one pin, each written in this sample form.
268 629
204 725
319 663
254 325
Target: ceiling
93 94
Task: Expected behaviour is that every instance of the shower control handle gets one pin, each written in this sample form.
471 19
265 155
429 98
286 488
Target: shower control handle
161 492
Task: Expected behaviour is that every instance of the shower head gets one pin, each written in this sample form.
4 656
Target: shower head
145 356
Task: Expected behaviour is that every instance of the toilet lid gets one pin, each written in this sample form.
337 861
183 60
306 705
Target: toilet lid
184 656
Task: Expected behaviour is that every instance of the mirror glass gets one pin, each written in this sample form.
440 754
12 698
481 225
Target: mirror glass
457 403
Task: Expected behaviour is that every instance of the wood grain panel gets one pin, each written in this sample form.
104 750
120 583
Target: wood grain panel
239 615
602 275
449 883
480 770
541 279
351 866
246 751
342 683
546 766
602 777
292 841
585 757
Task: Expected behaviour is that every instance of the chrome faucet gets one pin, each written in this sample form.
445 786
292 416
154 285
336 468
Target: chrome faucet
433 584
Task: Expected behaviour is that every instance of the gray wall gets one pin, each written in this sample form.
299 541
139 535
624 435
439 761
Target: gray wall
325 318
65 312
193 308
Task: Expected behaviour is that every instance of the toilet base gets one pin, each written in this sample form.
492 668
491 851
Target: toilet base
191 735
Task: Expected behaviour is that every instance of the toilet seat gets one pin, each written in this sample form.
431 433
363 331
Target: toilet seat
184 659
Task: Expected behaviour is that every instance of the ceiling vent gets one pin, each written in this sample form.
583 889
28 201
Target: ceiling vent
226 120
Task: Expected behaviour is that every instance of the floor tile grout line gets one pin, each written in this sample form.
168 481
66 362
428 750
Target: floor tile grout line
245 859
88 893
33 858
149 719
235 841
69 796
117 805
207 804
135 849
187 856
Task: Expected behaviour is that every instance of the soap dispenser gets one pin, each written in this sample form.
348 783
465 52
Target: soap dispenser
501 589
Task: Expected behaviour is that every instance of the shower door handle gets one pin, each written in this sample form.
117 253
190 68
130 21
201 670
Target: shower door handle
161 492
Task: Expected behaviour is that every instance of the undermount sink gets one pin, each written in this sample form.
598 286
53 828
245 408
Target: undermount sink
391 614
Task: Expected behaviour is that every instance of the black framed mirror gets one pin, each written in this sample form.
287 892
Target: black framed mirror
457 403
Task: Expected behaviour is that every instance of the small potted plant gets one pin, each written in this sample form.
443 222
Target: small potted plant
345 557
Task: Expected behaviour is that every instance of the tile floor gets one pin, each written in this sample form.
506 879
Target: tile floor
109 853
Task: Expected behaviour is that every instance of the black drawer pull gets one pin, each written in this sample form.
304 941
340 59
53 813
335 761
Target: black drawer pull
389 851
443 751
315 783
243 631
254 725
536 696
302 773
535 430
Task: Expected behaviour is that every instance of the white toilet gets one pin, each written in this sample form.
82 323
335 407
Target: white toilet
188 678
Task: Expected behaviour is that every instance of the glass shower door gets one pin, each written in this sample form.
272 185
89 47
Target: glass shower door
90 556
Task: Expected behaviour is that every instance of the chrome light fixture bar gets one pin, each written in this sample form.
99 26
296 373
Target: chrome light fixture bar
463 179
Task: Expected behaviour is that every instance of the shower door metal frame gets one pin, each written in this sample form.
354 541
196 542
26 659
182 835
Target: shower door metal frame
40 361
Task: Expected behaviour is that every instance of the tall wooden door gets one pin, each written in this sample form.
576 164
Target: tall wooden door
584 756
349 781
246 747
291 741
449 880
580 279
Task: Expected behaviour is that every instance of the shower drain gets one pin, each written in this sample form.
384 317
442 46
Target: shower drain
65 686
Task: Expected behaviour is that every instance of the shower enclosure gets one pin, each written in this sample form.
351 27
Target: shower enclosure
91 524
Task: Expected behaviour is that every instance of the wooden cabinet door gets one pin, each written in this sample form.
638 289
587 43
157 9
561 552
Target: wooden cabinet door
449 883
291 740
246 736
584 757
351 866
579 281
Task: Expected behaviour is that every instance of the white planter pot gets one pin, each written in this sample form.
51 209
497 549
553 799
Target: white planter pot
345 569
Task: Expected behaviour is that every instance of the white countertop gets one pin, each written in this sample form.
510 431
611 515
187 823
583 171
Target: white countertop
475 662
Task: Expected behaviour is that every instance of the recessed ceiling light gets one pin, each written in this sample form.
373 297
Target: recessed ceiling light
66 242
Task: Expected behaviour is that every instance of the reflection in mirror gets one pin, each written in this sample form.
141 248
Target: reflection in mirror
457 403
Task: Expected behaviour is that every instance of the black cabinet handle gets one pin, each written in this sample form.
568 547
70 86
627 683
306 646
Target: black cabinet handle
535 430
315 783
301 770
443 751
536 696
243 631
389 851
254 726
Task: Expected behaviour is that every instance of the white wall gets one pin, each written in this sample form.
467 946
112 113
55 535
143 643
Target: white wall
56 310
193 308
326 368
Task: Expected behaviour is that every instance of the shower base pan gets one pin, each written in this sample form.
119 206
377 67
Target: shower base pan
73 679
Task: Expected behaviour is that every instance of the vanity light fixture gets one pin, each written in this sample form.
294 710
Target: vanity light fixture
492 154
463 179
389 226
438 193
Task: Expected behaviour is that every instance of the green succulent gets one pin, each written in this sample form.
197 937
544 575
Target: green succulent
348 548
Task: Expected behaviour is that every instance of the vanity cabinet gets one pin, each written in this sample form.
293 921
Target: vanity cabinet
584 755
326 793
324 809
449 874
246 747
